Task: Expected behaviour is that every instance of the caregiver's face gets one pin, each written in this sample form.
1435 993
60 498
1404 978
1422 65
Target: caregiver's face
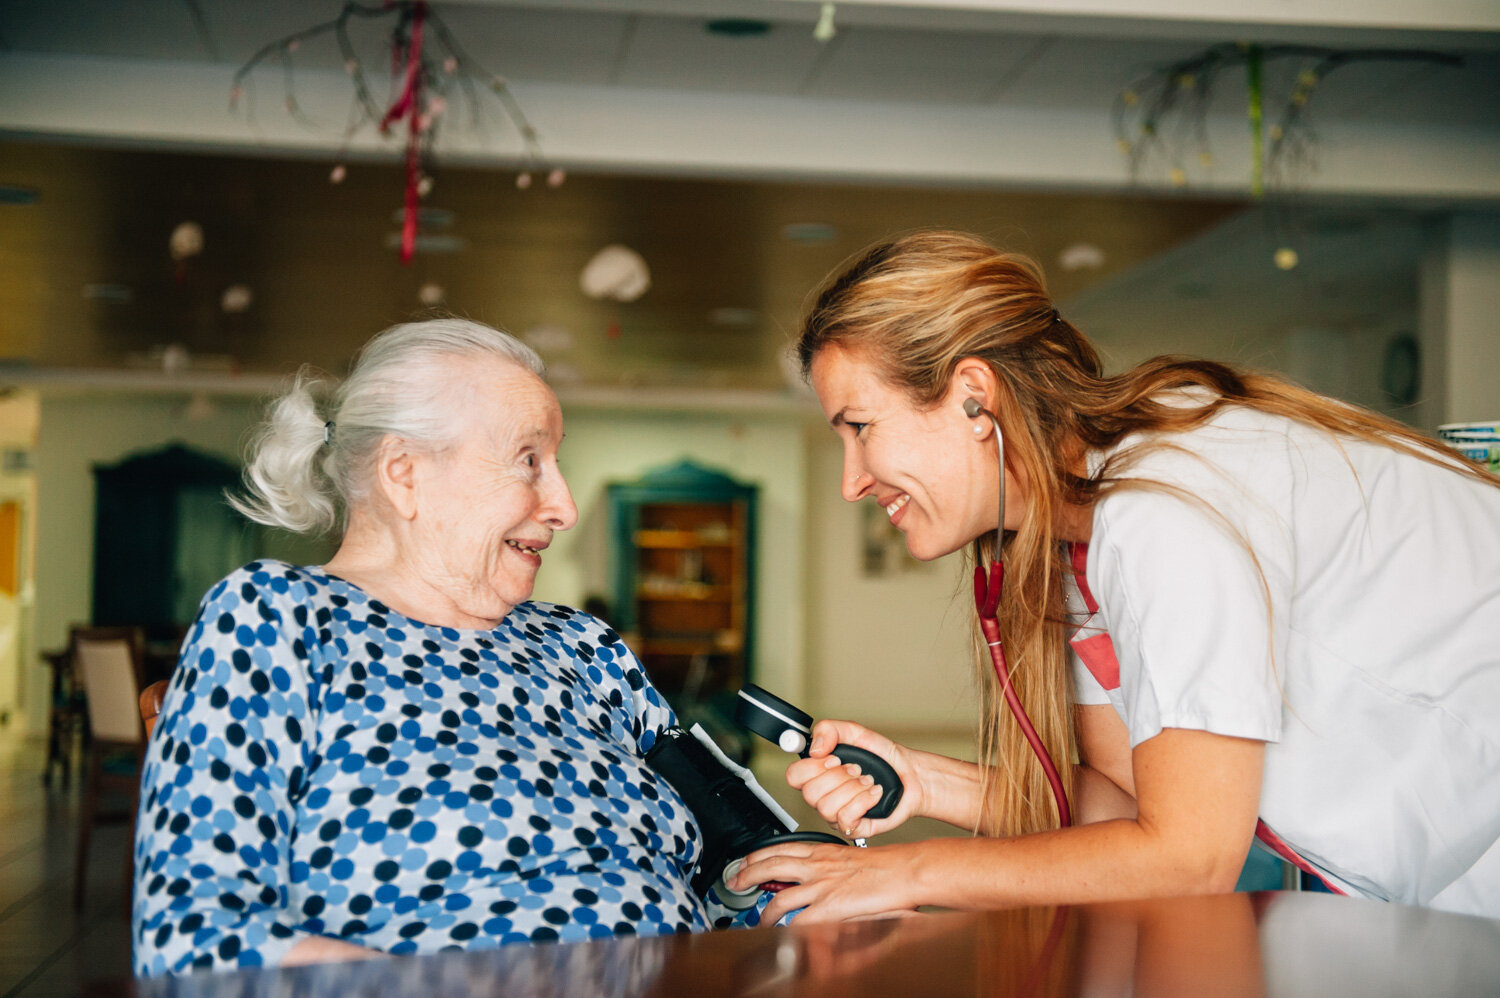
926 468
491 504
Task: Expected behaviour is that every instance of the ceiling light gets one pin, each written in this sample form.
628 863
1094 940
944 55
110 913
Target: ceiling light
12 194
737 27
742 318
809 232
1081 256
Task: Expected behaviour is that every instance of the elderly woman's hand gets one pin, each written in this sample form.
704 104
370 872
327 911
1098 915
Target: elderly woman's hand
325 949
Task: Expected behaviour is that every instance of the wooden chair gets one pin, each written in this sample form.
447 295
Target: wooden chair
108 661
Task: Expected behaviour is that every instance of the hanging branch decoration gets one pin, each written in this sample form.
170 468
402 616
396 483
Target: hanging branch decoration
1176 99
428 70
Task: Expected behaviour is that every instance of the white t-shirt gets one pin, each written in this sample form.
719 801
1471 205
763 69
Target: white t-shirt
1376 684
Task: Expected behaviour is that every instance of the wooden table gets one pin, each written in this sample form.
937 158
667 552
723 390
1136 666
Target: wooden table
1283 944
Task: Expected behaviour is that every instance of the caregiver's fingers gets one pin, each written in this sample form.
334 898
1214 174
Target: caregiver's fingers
849 800
850 818
803 773
790 899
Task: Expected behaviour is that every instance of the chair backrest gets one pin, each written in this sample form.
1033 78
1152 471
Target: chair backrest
151 698
108 662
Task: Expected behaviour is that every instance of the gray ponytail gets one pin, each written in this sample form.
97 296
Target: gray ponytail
305 470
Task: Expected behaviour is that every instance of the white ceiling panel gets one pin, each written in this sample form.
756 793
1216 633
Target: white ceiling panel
1467 95
676 53
240 29
546 45
142 29
888 65
1093 70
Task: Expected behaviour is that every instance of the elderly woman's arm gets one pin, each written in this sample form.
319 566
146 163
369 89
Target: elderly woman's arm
650 715
223 770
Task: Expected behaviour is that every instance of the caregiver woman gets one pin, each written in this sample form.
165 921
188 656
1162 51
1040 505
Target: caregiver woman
1285 612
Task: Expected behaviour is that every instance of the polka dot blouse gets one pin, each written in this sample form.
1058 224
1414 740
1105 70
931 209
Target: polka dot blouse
325 765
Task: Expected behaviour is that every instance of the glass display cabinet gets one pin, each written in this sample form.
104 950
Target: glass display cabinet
683 579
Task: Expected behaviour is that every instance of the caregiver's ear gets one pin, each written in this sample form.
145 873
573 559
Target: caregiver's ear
974 378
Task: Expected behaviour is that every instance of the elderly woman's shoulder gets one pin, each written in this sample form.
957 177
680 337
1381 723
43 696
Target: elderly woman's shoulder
267 579
538 620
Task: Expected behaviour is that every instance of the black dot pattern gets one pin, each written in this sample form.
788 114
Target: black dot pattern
325 765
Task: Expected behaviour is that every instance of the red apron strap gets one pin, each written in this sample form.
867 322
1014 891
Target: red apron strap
1096 650
1080 560
1273 842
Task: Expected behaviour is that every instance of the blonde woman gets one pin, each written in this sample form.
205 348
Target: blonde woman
1233 609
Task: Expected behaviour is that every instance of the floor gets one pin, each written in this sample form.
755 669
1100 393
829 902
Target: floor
46 948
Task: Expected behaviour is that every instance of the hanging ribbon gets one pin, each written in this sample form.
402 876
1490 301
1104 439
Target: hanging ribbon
408 105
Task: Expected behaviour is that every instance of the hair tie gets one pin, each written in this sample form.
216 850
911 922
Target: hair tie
1056 317
328 432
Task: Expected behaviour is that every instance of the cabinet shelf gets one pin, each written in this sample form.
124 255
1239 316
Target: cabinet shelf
684 575
679 540
721 644
687 593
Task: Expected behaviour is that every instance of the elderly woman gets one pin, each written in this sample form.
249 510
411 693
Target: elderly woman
396 751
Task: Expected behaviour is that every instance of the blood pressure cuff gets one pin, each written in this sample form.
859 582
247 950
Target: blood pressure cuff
733 820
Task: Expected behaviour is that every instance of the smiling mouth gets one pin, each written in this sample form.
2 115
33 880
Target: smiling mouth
524 549
896 505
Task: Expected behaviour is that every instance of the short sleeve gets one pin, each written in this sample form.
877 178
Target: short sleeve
1195 582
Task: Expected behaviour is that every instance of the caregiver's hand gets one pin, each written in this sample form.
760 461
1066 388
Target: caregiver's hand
833 883
841 793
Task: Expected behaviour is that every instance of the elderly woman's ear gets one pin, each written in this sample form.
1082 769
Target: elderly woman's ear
396 476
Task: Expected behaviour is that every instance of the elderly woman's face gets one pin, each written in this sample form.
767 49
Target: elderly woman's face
489 507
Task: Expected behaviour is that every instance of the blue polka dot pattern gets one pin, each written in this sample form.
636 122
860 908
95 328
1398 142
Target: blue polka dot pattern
326 765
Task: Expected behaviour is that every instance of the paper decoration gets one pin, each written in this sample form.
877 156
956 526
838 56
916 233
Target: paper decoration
617 273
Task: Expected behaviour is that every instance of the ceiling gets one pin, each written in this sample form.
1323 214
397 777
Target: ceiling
879 53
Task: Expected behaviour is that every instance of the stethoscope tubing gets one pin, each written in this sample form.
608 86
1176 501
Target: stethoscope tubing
987 588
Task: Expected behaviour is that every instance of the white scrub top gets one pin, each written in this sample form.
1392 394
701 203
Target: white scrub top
1376 680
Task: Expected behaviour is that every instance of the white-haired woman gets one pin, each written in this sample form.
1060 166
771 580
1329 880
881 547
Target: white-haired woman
396 751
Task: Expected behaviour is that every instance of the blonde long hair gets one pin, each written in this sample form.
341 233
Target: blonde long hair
915 306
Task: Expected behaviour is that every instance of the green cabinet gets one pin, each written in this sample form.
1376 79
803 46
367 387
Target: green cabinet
683 578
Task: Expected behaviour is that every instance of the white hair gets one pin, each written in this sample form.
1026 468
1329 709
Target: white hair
305 470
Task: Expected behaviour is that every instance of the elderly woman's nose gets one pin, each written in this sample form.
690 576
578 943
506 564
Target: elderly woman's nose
558 508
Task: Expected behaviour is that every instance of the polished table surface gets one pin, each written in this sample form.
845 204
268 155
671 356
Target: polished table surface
1230 945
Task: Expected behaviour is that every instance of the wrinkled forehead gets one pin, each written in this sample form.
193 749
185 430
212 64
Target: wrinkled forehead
506 405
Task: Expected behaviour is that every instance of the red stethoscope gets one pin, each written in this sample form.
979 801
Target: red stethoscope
987 601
